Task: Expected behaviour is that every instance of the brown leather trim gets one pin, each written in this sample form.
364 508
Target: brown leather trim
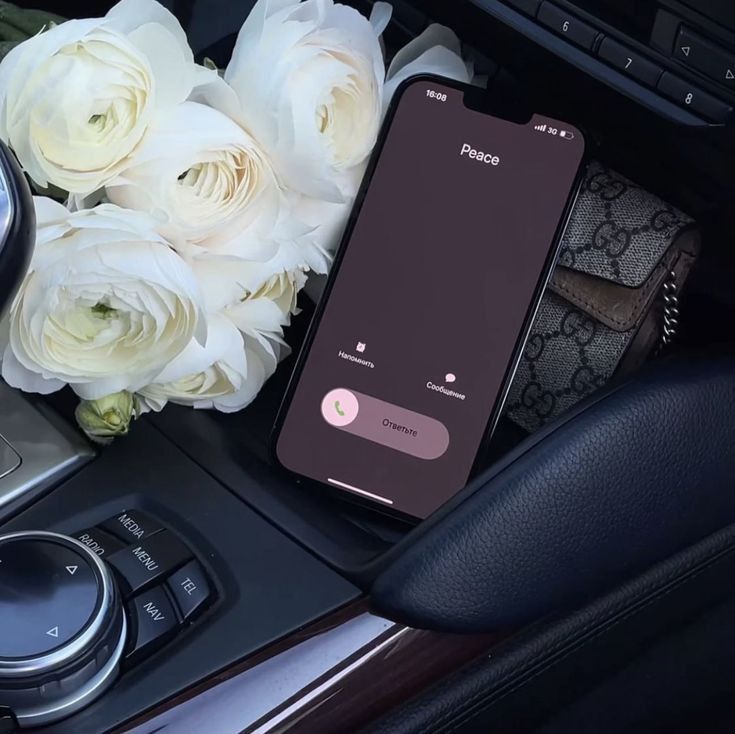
617 306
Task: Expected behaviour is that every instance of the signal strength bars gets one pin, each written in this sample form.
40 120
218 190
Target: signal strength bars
540 128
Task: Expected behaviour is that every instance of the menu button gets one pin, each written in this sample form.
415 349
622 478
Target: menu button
144 564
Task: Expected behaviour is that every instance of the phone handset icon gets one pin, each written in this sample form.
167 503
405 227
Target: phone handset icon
339 407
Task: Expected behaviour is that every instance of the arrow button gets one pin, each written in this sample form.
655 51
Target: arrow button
53 632
706 57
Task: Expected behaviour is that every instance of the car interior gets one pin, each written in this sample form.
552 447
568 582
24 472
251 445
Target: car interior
579 583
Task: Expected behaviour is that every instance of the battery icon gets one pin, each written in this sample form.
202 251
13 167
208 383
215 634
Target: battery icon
566 134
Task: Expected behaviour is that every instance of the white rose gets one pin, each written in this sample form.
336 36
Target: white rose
259 298
226 373
435 51
309 78
319 107
248 303
76 100
210 182
105 305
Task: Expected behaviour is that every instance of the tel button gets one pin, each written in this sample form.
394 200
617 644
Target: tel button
190 589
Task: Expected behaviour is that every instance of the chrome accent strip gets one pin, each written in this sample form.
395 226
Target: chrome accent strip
6 207
339 674
9 459
247 701
21 667
364 492
82 697
48 452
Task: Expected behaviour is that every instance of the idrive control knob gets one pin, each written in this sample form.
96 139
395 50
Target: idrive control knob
62 626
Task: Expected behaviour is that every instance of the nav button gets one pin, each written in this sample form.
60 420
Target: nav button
154 621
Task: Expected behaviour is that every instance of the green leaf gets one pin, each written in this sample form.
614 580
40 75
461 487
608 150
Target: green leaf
6 47
17 24
11 33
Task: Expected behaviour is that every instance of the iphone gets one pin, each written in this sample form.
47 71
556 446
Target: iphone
443 263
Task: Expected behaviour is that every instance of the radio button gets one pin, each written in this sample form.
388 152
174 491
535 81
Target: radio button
99 542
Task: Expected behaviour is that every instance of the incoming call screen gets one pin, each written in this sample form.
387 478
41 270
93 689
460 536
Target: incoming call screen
432 294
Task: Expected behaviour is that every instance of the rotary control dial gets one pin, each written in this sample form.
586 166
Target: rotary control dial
62 626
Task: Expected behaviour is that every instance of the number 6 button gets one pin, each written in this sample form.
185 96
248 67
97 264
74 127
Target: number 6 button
567 25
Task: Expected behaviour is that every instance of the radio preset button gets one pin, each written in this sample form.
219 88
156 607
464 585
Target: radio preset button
629 62
693 97
567 25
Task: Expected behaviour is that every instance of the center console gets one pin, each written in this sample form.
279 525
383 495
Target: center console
129 575
136 577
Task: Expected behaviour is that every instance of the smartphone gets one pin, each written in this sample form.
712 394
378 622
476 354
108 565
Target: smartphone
443 263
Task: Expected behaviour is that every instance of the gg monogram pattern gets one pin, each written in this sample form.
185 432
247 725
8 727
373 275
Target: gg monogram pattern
568 356
617 232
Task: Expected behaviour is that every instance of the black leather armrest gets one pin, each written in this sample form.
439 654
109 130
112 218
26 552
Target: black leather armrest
638 475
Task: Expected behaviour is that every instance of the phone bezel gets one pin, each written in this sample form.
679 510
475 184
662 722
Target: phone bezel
504 110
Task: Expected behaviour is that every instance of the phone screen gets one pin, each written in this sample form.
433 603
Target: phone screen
439 275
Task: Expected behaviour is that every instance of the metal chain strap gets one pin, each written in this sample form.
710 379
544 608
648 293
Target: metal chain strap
671 309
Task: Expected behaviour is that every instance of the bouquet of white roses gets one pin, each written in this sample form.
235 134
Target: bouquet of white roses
184 209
